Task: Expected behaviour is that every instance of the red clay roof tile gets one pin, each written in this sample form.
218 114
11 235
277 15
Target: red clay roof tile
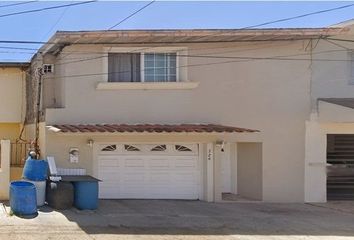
151 128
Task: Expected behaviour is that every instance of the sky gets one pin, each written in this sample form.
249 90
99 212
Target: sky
101 15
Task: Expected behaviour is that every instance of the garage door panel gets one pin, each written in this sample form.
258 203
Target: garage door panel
108 163
186 162
185 177
133 178
106 170
109 176
159 163
111 161
149 175
134 162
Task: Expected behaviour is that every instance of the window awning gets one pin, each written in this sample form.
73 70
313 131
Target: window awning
148 128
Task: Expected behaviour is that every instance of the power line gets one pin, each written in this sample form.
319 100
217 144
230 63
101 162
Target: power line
292 18
173 42
19 48
239 59
340 40
204 55
16 52
283 57
121 21
338 45
301 16
56 22
280 57
131 15
45 9
16 4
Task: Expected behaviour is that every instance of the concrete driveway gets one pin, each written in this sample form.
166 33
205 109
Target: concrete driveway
164 219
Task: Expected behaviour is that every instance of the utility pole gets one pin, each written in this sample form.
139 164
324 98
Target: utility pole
38 74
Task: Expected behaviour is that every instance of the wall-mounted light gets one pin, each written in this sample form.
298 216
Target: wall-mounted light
221 144
90 143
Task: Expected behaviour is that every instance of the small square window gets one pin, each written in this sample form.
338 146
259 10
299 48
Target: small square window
48 68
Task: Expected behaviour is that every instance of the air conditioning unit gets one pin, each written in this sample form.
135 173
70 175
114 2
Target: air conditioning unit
48 68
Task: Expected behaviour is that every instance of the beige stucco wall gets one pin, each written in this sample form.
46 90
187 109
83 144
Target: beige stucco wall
9 131
15 173
12 89
271 96
58 145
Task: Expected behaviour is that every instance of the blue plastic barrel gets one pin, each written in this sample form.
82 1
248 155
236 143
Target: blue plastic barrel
86 195
35 170
23 200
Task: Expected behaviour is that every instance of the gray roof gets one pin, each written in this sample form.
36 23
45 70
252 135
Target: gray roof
64 38
14 64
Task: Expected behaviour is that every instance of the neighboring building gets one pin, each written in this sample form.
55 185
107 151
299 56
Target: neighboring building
12 113
98 85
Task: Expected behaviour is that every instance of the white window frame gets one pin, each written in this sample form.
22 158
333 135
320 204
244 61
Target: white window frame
142 66
142 51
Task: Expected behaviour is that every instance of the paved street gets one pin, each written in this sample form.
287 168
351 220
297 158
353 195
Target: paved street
159 219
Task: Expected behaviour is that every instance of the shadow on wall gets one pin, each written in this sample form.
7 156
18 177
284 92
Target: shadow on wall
171 218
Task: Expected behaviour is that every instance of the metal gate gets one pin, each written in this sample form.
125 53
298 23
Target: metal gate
340 167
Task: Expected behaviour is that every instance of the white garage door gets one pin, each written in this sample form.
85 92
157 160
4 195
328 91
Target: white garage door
149 171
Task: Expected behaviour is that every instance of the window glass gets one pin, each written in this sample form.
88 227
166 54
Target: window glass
124 67
160 67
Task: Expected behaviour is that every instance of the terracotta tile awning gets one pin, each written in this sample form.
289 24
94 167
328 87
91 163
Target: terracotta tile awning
150 128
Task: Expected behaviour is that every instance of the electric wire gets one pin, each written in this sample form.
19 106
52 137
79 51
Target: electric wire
17 4
45 9
294 17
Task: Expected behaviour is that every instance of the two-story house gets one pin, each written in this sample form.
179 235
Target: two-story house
195 114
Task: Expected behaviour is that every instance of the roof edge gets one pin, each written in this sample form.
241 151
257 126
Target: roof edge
15 64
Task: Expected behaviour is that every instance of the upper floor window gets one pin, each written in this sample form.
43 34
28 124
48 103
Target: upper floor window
160 67
142 67
124 67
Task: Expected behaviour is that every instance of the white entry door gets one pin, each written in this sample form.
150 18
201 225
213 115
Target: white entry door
149 171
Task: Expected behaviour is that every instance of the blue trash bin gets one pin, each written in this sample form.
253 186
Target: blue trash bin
23 200
86 195
35 170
